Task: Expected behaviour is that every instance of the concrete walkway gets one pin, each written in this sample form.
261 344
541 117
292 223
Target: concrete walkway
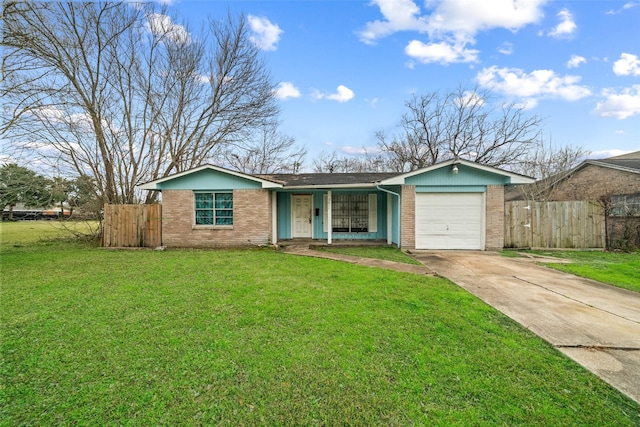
369 262
596 325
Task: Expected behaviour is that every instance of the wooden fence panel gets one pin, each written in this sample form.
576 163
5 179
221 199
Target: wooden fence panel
132 226
559 225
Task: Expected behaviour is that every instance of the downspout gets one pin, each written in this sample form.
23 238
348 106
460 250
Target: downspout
399 211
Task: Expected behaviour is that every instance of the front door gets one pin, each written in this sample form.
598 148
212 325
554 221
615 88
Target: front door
301 213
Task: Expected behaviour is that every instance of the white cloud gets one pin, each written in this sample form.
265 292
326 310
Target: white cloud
536 84
161 26
470 16
628 64
461 17
620 105
400 15
342 95
443 52
265 34
450 24
506 48
575 61
469 99
286 90
566 27
625 7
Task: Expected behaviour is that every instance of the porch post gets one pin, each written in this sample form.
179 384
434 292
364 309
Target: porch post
389 219
274 218
329 226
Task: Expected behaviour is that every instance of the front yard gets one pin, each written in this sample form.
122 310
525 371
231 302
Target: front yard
615 268
95 336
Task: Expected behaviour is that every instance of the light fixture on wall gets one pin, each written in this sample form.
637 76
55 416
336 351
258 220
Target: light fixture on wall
454 169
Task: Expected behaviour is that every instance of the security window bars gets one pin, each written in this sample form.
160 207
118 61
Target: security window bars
214 208
350 213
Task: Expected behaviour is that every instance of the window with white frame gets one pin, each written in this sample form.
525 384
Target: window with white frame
214 208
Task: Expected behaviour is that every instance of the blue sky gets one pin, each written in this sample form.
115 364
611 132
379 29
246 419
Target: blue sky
346 67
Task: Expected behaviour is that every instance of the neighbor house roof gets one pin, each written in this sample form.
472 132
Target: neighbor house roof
629 162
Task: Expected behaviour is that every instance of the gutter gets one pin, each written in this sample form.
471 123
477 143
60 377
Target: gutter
399 211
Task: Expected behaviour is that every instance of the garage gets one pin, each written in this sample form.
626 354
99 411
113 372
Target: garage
449 221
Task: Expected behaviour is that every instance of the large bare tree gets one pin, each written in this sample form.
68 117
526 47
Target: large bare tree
268 151
122 93
468 124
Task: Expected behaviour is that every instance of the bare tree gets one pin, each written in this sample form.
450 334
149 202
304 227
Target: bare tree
123 94
268 151
460 123
548 163
334 163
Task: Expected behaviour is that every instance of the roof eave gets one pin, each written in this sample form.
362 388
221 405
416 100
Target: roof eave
153 185
328 186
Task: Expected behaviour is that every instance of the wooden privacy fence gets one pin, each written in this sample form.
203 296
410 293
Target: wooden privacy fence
569 224
132 226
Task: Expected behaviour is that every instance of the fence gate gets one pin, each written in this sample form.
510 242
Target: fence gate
569 224
132 226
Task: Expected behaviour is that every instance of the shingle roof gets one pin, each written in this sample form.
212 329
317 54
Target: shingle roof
630 164
327 179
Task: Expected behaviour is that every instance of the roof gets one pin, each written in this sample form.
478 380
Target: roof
634 156
514 177
338 180
329 179
153 185
626 164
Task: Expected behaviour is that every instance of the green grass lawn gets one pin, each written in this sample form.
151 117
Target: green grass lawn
102 337
375 252
615 268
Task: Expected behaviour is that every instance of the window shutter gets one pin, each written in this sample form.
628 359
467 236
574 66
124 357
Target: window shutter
373 213
325 219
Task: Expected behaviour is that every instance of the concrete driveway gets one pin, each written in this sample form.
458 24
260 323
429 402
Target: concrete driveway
596 325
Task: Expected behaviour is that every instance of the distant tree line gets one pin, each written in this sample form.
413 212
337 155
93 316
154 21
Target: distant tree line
22 186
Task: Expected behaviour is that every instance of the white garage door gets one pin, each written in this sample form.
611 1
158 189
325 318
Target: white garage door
449 221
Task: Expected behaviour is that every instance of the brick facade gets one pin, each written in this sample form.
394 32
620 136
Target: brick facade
593 182
408 217
494 200
251 221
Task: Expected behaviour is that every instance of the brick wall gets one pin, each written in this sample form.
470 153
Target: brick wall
494 237
408 217
593 182
251 221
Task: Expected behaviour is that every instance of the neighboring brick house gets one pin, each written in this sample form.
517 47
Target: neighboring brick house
455 204
591 180
614 182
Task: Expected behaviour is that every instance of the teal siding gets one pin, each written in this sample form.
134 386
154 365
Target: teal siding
466 176
209 180
284 216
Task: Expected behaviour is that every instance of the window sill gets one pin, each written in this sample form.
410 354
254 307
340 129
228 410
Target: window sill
212 227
